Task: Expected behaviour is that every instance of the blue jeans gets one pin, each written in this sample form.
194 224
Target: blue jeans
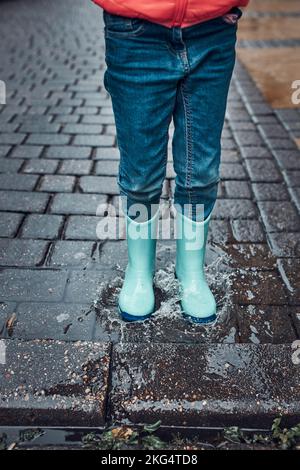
154 74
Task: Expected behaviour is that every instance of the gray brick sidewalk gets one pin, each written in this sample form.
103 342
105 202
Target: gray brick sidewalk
59 282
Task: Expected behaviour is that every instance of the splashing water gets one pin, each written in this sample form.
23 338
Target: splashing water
167 292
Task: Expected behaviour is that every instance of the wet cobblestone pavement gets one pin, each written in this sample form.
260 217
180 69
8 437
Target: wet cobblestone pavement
59 282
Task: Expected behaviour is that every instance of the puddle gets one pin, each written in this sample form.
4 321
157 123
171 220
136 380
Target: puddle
166 323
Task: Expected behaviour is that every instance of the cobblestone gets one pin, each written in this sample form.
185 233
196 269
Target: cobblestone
57 184
263 170
60 321
60 279
82 228
247 231
9 224
42 226
22 201
86 204
75 167
41 166
279 216
22 252
70 253
68 152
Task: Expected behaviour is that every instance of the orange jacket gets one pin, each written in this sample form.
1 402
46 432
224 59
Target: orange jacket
171 12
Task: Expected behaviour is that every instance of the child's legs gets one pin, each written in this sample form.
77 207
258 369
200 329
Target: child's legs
143 93
199 114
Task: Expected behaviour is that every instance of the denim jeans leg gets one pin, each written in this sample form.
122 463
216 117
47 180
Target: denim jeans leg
142 86
199 114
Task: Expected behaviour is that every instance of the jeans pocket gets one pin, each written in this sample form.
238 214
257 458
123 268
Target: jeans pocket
233 16
122 26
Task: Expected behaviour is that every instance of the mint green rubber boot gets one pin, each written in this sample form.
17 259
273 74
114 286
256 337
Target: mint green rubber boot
197 301
136 300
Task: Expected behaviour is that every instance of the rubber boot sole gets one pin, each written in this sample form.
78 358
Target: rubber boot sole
199 320
132 318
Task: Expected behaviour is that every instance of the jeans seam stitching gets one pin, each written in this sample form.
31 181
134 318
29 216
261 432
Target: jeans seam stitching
188 136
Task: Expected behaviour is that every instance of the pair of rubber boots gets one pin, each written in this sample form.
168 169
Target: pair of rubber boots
136 300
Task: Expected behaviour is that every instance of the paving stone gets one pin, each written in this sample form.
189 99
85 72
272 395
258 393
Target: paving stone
75 167
57 184
12 138
279 216
228 144
84 110
242 126
107 168
54 383
40 166
295 196
234 209
82 129
82 228
60 109
248 138
270 192
42 226
10 166
32 285
85 204
292 178
113 255
110 130
27 151
289 269
95 140
71 253
259 108
4 150
219 232
48 139
40 128
18 182
110 153
265 119
68 152
66 119
220 385
22 201
281 144
273 130
9 224
22 252
238 190
97 119
71 102
255 152
7 311
60 321
247 231
85 286
263 170
288 115
238 115
232 171
258 288
99 184
288 159
265 325
285 244
245 255
230 156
